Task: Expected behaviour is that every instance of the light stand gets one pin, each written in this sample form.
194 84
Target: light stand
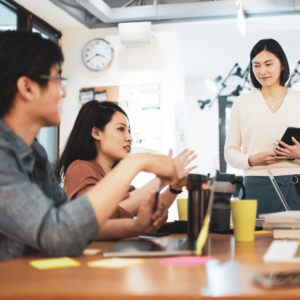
293 76
223 84
203 103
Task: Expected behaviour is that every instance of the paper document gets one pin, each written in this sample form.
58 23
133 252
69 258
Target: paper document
292 214
150 122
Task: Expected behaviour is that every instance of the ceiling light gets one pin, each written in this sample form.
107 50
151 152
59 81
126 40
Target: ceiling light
241 18
212 84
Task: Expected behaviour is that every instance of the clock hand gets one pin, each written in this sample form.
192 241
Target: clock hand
91 58
100 55
94 57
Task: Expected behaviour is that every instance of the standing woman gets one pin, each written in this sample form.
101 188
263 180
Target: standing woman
258 120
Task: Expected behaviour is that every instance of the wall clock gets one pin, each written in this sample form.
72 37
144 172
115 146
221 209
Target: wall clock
98 55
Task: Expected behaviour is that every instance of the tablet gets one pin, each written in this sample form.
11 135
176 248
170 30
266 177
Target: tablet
287 137
289 133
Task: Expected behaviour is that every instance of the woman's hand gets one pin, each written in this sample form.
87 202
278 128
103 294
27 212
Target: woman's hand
151 215
182 160
289 151
263 159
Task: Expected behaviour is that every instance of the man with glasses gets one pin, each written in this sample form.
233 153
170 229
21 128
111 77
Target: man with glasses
35 214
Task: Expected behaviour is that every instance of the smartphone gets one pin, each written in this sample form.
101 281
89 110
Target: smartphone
280 279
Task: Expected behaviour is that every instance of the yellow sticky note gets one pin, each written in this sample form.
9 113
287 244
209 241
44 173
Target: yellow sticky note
262 232
91 251
115 263
53 263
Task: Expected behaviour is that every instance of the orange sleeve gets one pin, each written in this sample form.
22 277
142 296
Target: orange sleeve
80 178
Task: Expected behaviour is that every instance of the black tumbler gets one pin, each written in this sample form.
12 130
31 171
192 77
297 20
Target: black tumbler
197 203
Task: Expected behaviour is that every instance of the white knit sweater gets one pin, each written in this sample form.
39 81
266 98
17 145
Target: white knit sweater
253 128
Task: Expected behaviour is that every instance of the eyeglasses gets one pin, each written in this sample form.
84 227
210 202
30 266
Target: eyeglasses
62 80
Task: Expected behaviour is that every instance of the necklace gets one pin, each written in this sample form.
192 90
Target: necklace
279 100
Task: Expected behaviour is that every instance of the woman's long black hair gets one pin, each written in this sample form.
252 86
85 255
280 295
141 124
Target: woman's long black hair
275 48
80 144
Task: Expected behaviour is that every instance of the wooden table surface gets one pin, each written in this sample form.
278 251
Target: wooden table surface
150 280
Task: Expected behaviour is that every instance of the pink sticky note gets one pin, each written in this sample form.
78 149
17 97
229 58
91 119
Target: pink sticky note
186 261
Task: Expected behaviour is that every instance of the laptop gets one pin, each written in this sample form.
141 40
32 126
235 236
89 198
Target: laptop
148 246
278 191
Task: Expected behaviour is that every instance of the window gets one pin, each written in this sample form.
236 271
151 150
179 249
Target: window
13 16
8 18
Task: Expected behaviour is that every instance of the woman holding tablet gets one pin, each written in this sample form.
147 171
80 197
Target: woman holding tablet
99 140
258 120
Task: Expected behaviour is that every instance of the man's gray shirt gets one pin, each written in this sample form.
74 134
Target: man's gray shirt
35 214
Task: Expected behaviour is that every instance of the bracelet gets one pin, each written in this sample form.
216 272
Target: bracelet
174 191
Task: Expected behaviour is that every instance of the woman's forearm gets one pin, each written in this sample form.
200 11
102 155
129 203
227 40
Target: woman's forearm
133 202
169 197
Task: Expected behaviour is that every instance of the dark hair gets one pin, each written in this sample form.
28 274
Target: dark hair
80 144
23 53
273 47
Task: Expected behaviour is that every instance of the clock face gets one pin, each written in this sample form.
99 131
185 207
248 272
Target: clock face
97 55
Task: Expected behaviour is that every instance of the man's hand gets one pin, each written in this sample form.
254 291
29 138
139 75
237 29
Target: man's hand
151 215
289 151
263 159
182 160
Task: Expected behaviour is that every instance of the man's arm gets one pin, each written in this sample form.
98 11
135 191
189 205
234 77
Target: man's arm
28 216
115 184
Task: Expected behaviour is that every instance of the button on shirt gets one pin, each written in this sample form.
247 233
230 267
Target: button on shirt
35 215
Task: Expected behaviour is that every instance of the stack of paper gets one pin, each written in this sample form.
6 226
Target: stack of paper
282 251
285 225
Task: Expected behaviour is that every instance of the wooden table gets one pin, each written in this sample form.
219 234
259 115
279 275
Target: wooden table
150 280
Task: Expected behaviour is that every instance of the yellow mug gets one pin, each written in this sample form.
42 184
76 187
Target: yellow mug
182 205
243 215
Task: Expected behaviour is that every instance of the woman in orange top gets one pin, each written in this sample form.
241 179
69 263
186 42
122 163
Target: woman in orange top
98 141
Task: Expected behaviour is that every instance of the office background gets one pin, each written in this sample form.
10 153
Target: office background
182 56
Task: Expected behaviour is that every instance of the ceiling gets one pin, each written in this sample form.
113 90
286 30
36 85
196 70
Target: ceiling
108 13
211 48
52 14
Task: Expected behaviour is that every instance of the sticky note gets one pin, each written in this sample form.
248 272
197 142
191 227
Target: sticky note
53 263
115 263
262 232
91 251
191 261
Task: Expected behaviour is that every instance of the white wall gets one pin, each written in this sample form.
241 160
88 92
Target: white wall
203 125
159 62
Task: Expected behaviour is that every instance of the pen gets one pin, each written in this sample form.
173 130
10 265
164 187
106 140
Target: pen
156 197
157 193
